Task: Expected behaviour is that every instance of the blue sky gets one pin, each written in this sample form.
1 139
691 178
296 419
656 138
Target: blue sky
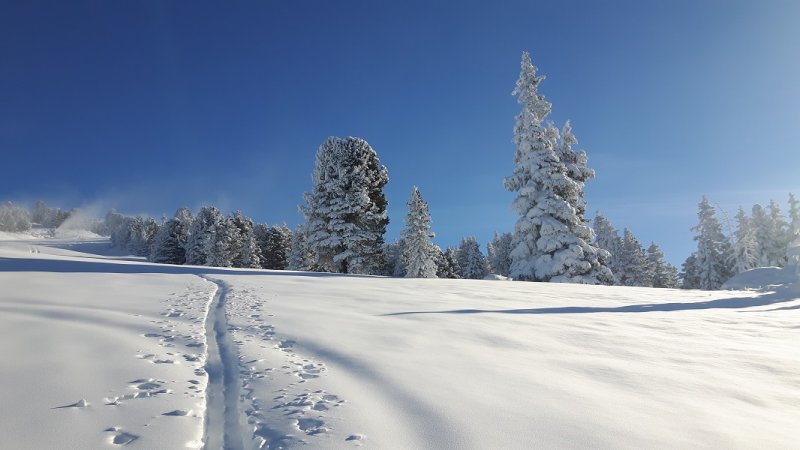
149 106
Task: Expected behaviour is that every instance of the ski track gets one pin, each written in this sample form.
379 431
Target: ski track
223 428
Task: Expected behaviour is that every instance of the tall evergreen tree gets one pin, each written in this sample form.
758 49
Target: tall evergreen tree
142 232
665 275
419 252
346 209
447 265
299 254
713 249
794 216
275 242
634 267
762 230
781 235
201 241
169 242
745 254
551 239
246 252
471 260
690 276
498 252
575 162
607 238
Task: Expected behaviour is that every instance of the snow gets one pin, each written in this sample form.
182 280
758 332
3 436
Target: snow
101 351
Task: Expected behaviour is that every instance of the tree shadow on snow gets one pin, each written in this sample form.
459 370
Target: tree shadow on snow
121 267
781 295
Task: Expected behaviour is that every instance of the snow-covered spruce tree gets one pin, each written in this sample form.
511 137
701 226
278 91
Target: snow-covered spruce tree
14 219
607 238
200 242
117 227
713 249
142 232
169 242
745 247
551 239
394 266
690 276
346 208
498 252
794 217
299 254
776 250
275 243
665 275
471 260
762 228
634 268
225 243
419 253
575 163
245 249
448 266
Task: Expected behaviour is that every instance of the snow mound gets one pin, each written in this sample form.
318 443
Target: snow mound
762 278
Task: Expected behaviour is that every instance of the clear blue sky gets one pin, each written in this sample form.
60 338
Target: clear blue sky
149 106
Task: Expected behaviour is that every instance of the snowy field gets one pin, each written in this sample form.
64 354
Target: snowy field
106 351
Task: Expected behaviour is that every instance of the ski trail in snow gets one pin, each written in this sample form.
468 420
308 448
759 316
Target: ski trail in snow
223 418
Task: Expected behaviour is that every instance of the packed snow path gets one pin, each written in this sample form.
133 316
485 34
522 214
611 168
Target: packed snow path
223 426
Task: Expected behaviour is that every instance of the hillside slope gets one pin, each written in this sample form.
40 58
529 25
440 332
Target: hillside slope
341 361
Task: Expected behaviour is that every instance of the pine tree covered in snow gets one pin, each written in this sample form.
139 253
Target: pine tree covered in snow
781 235
575 162
498 252
169 242
419 252
762 229
471 260
607 238
713 249
447 265
690 276
275 242
745 254
246 252
142 232
394 266
635 269
551 239
200 243
664 274
14 219
225 243
794 217
299 254
346 209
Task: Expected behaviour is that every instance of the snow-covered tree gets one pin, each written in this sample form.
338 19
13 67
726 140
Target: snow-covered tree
607 238
471 260
419 252
634 267
142 232
665 275
575 162
299 257
498 252
201 242
14 219
713 249
245 249
745 254
275 242
346 208
690 276
169 242
551 238
781 236
394 266
447 265
794 216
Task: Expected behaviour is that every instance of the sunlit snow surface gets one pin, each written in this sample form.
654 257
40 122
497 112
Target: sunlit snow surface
103 352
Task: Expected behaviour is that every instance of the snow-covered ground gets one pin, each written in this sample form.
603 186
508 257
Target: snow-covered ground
101 351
